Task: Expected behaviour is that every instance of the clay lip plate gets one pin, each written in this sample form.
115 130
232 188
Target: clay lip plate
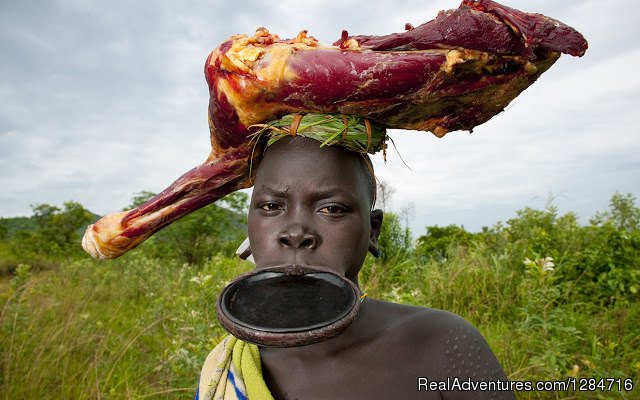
288 305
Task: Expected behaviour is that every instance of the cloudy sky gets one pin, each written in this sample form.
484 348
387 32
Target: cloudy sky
100 100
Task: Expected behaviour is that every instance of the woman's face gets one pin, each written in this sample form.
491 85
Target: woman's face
311 206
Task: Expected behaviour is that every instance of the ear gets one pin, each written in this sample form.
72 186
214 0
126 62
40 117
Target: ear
376 225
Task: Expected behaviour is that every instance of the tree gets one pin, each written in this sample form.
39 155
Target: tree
54 236
623 213
43 214
611 256
408 213
139 199
439 240
62 227
237 202
218 227
4 230
384 194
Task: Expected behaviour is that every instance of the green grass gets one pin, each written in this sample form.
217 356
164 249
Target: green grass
535 326
139 328
134 328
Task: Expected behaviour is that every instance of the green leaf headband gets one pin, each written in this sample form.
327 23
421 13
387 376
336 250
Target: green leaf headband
352 132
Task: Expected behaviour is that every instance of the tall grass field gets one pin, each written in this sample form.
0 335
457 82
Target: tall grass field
556 300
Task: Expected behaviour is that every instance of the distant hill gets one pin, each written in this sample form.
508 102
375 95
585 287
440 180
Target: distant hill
14 225
9 227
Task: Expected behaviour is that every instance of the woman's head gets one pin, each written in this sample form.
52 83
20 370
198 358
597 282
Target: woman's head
312 205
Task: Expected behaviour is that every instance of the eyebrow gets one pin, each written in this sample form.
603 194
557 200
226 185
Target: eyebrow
317 195
277 192
322 194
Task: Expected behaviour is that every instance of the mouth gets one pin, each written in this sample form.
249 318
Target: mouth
294 266
293 261
288 305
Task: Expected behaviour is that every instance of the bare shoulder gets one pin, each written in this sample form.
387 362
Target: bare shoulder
439 345
422 323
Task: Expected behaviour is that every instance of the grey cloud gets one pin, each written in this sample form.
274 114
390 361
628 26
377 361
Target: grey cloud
101 100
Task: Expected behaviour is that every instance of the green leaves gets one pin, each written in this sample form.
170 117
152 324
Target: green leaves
395 240
623 213
440 240
216 228
350 131
50 236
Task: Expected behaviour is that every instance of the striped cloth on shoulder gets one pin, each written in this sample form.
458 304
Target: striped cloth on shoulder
232 371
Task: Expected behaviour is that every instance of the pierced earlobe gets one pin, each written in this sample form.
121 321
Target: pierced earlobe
374 249
244 251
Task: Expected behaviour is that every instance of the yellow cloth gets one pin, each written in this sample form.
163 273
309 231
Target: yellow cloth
232 371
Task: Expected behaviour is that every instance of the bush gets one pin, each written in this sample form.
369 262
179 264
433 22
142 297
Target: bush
554 299
50 237
439 241
198 236
394 242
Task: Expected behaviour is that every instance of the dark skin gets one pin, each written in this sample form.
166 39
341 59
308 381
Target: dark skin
312 206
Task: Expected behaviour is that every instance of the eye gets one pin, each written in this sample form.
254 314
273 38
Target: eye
270 206
332 209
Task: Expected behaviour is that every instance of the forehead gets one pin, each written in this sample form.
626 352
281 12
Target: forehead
299 162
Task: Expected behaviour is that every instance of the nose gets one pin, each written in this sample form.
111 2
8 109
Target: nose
298 238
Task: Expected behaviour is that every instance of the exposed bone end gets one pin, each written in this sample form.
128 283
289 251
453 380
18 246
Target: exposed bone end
90 245
104 240
115 234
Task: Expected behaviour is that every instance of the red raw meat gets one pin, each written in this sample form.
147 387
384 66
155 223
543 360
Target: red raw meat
452 73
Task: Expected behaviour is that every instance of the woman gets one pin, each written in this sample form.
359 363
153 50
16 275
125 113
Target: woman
312 205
